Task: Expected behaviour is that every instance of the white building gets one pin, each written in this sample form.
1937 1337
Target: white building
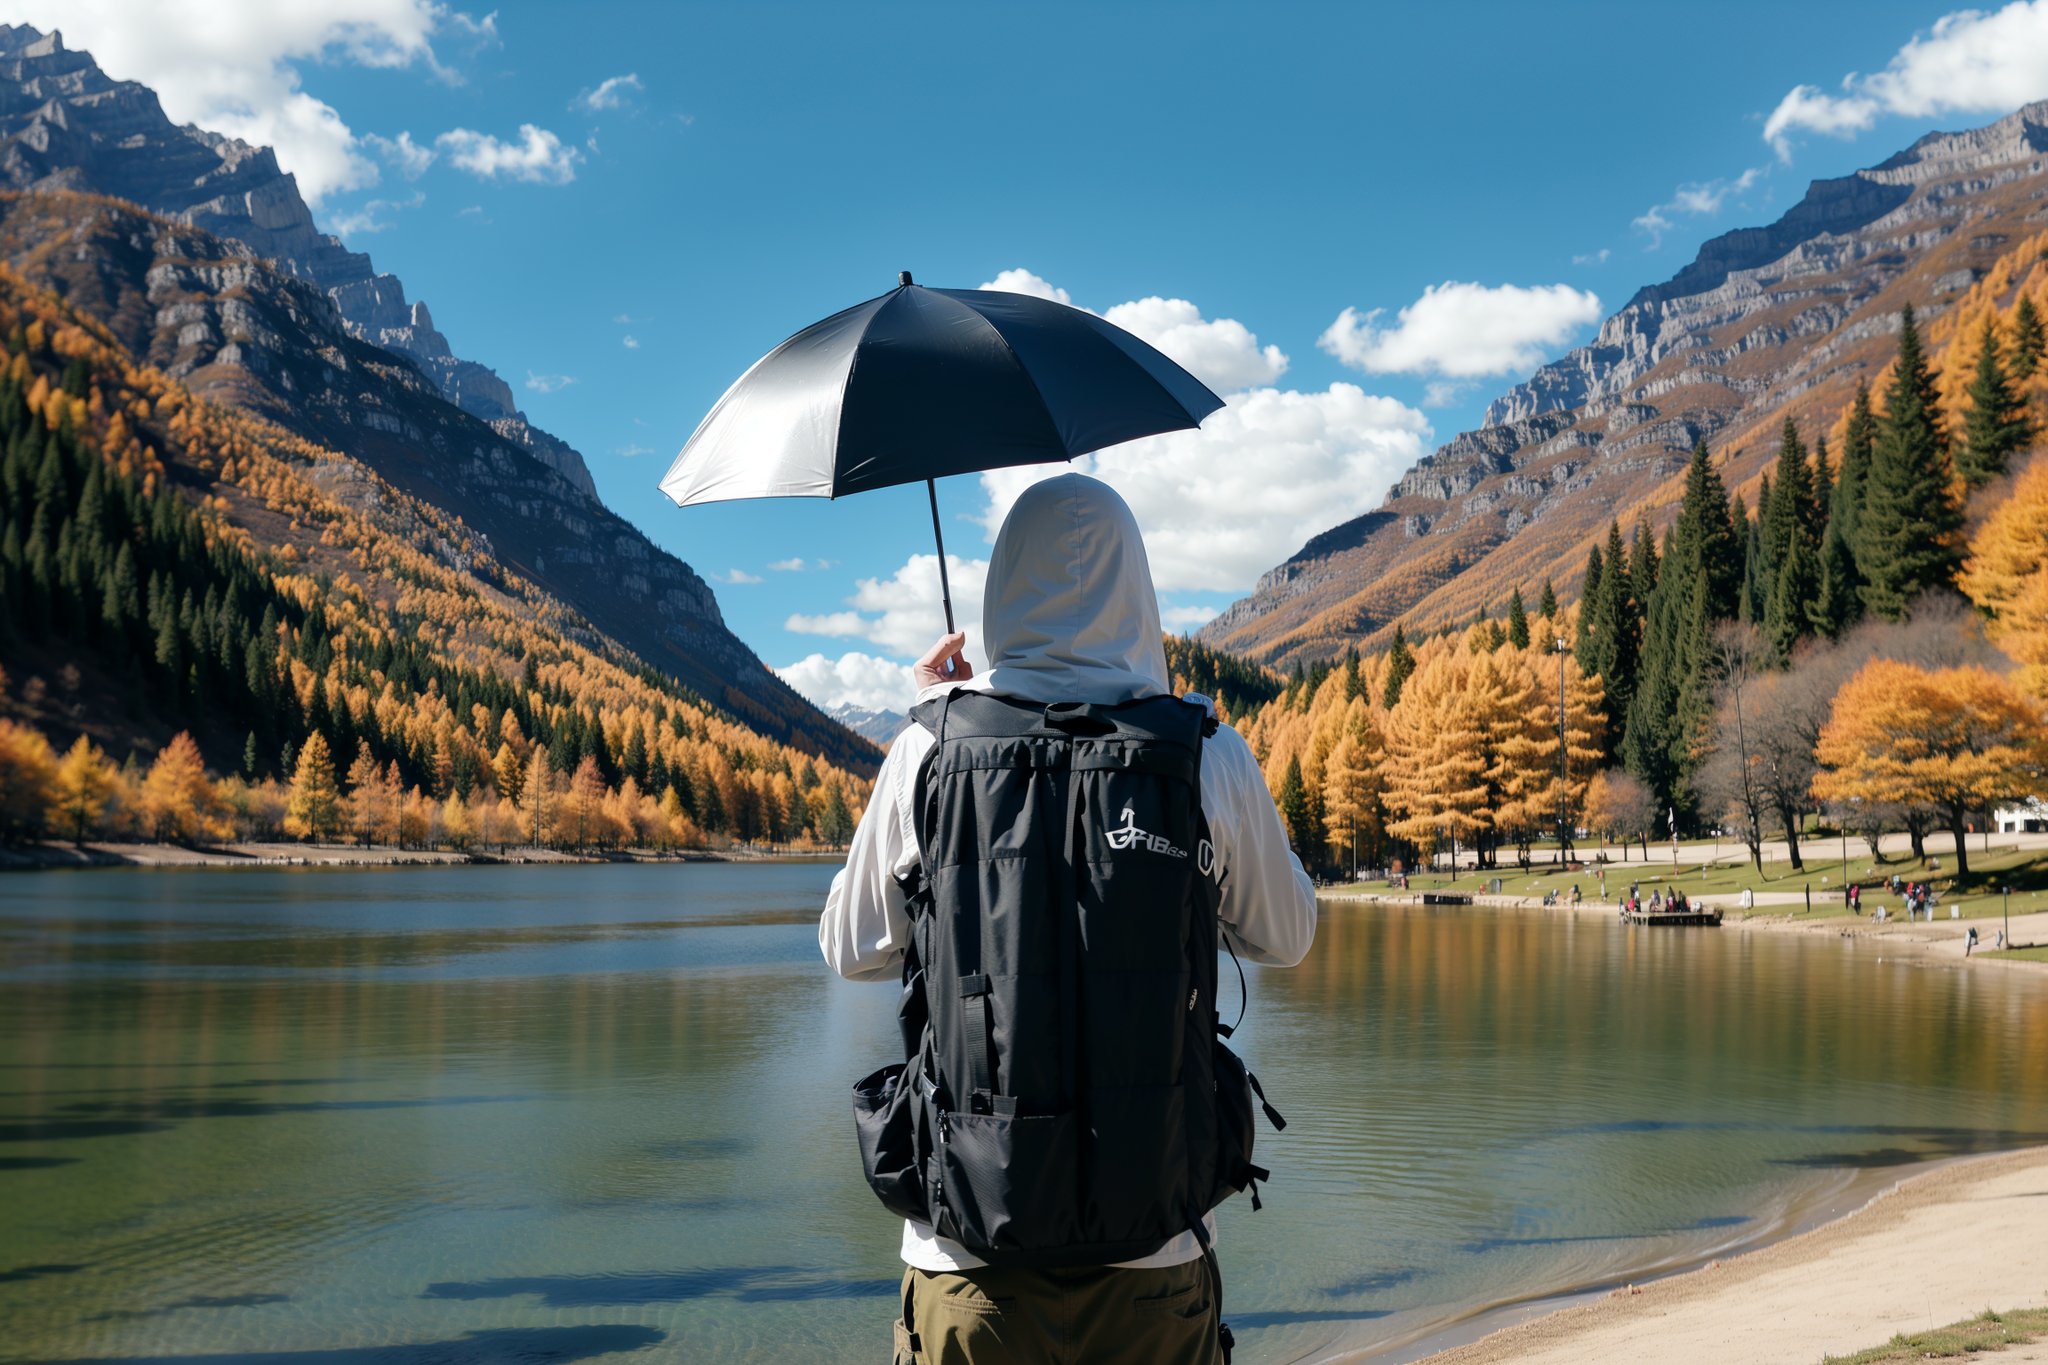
2029 817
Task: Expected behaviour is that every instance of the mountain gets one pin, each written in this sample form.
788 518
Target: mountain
880 726
312 340
65 124
1765 323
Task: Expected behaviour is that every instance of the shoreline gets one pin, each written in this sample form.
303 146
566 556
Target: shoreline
1929 943
48 857
1930 1247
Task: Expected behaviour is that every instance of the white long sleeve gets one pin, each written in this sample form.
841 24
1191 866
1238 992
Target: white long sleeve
1268 904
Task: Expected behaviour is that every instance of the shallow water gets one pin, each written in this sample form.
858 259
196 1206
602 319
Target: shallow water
552 1113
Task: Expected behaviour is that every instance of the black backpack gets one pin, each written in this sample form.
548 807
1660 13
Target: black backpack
1067 1098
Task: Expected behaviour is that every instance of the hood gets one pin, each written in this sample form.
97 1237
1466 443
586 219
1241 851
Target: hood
1069 613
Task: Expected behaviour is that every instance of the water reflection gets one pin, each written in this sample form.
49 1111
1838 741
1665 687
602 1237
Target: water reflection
452 1114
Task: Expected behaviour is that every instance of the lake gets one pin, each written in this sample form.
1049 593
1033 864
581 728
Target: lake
553 1113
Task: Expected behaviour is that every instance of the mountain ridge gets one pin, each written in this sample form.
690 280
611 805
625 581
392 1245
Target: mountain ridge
1765 322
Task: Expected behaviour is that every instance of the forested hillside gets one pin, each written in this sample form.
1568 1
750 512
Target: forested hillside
185 587
1793 647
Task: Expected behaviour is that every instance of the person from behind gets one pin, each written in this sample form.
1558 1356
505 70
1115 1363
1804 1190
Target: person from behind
1052 853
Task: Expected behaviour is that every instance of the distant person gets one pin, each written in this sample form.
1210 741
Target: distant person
1050 855
1970 942
1855 898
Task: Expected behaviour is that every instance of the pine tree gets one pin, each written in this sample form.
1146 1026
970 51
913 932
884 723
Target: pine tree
1858 440
1400 663
1589 593
1293 801
1792 596
1644 564
1518 620
1996 425
1617 633
1546 605
1823 484
1910 526
1836 604
2028 340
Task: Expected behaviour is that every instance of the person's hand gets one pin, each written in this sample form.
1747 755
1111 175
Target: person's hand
943 662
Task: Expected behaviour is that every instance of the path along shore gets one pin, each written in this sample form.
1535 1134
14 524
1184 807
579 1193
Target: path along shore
1937 1247
1940 942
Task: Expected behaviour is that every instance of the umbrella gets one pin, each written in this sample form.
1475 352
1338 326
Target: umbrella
919 383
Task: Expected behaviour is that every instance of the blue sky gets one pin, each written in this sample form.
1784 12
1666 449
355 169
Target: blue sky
1238 175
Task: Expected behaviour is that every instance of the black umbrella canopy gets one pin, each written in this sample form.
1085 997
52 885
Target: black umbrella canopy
921 383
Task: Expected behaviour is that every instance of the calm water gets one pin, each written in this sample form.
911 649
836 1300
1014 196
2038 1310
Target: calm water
423 1115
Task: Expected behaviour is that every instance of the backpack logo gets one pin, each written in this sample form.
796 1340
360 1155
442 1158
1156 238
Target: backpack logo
1128 835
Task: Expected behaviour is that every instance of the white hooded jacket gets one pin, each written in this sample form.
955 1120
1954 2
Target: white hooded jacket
1070 615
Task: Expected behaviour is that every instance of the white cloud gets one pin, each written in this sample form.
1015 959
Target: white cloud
901 614
609 94
1971 61
1463 330
371 216
408 156
232 65
795 565
1185 620
630 342
1021 281
1441 393
548 383
538 157
841 623
862 680
632 449
738 577
1593 257
1702 198
1222 504
1221 352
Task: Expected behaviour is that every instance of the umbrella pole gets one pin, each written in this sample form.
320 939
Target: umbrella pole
945 586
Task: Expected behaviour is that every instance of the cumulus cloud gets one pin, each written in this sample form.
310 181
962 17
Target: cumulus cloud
792 565
548 383
408 156
610 93
1221 352
1186 620
538 157
901 613
738 577
1463 331
1593 257
854 678
1971 61
1697 199
231 65
1021 281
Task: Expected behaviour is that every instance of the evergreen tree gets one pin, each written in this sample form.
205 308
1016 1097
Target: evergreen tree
1400 663
1589 593
1823 484
1644 563
1518 620
1294 809
1858 440
1792 597
1546 605
1996 425
1836 604
1617 633
1910 527
2028 340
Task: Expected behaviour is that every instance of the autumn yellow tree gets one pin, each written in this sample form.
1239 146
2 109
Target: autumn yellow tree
1435 764
84 784
1953 740
582 811
178 799
312 807
538 798
366 797
28 778
2006 575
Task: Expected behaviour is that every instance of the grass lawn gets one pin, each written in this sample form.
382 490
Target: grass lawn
2026 870
2039 954
1988 1331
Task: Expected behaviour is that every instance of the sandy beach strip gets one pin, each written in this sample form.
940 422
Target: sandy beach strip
1937 1247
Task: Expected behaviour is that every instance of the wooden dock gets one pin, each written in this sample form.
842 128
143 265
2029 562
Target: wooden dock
1703 916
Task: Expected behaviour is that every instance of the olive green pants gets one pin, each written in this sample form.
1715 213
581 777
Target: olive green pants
1090 1315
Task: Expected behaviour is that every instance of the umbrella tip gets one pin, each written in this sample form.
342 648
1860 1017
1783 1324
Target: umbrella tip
903 278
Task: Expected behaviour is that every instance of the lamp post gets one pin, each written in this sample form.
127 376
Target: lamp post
1563 762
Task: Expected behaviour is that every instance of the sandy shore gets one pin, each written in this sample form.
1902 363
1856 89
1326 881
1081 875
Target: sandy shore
50 855
1938 1247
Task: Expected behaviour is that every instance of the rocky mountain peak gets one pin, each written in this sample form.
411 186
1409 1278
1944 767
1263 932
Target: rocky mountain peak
65 124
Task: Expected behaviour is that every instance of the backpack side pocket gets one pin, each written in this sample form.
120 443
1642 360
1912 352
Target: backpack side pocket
885 1119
